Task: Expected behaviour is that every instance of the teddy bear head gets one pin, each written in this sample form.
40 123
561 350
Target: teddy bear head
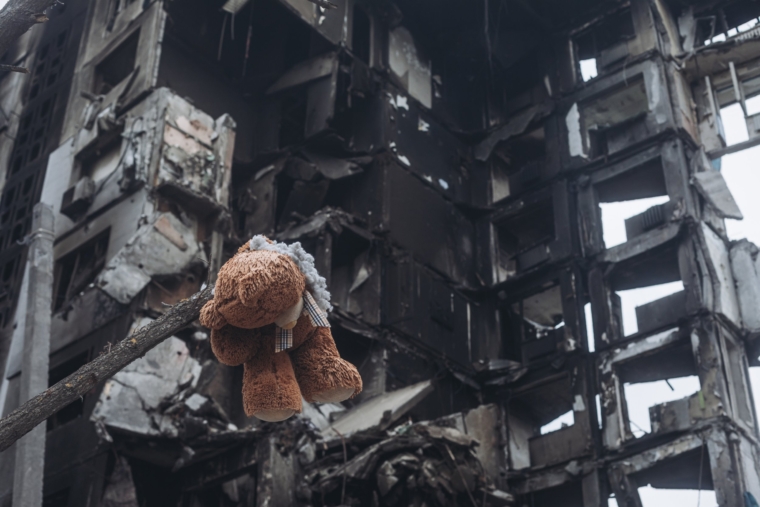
262 284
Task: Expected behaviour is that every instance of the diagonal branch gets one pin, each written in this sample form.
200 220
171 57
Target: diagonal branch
22 420
18 16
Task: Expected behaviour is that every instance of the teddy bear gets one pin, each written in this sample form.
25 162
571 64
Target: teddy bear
269 313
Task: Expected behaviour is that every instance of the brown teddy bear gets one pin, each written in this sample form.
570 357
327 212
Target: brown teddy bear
269 314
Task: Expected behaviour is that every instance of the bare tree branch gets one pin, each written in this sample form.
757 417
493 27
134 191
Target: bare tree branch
18 16
12 68
22 420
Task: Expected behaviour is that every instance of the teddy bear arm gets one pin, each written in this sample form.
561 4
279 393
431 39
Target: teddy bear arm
210 316
234 346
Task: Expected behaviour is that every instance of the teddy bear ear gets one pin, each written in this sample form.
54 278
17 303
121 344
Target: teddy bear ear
248 291
244 248
210 316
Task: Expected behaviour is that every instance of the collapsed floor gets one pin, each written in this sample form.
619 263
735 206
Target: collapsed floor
447 164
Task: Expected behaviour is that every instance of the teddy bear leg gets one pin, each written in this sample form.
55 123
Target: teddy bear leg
322 375
270 389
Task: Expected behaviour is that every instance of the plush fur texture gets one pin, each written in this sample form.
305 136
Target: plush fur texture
253 288
305 262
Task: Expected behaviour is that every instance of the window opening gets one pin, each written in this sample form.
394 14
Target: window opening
589 327
77 269
604 44
522 237
639 397
75 409
532 327
609 121
117 65
361 36
563 421
632 202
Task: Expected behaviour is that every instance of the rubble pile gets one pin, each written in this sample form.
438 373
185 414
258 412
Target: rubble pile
416 465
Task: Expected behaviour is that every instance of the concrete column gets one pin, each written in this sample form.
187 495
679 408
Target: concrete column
30 449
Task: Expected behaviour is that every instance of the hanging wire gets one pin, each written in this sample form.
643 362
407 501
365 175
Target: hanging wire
221 39
701 464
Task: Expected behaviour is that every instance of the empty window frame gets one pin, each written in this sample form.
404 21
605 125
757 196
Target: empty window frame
115 67
636 198
300 192
627 200
410 66
518 164
524 231
167 290
736 96
654 373
603 45
547 421
655 497
679 472
532 327
649 289
351 267
722 23
75 409
361 34
77 269
615 119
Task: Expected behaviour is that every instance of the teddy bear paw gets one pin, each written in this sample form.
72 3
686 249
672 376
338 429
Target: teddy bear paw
335 395
274 414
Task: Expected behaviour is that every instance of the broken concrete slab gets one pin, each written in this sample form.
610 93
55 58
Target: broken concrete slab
712 186
378 412
322 414
723 287
131 400
163 247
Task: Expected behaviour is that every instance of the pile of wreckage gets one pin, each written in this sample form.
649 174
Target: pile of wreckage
161 409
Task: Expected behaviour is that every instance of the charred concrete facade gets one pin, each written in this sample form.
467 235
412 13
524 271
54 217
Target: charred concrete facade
446 163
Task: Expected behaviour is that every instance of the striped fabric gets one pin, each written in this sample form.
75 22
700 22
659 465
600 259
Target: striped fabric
318 317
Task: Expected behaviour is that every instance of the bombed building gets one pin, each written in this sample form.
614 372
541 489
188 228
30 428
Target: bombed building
446 163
